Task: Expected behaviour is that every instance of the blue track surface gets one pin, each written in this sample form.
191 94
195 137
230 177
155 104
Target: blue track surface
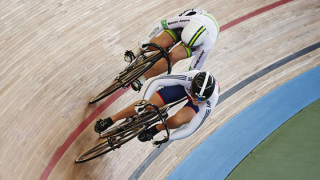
224 149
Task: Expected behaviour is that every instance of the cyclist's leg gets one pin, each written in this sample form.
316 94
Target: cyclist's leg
171 94
164 40
160 98
178 53
103 124
129 111
183 116
166 95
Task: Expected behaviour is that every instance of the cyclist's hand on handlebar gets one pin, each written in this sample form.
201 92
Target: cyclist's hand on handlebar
140 107
131 55
142 42
158 141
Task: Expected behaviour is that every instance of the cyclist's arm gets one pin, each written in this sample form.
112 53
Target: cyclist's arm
168 80
201 53
200 56
204 111
194 124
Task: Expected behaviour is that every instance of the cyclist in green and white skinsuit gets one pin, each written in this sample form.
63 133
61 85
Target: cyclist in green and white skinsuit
195 28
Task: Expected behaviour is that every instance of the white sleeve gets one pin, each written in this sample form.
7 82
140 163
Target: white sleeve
171 23
201 54
154 31
168 80
176 22
199 58
204 111
194 124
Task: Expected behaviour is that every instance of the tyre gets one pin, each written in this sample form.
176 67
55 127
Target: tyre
109 90
136 72
122 82
111 143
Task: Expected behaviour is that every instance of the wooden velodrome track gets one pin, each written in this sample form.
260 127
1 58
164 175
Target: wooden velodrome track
56 55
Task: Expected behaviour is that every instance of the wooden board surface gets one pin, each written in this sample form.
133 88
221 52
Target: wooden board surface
57 55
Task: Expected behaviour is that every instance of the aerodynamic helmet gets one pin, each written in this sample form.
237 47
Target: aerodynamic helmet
194 33
202 87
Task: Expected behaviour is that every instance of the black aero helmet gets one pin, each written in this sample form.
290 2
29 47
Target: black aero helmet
202 87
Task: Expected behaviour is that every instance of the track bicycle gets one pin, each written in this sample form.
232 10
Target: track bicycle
134 70
131 127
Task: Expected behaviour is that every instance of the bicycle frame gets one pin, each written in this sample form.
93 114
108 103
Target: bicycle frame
134 70
163 52
161 115
138 62
119 136
150 117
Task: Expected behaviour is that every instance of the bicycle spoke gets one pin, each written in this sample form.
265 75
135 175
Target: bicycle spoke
110 132
112 88
97 149
116 129
127 76
136 72
109 144
122 82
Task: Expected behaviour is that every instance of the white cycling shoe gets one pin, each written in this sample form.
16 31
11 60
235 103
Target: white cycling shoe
131 55
138 83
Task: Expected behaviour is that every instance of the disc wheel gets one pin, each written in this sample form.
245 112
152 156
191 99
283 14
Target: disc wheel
110 143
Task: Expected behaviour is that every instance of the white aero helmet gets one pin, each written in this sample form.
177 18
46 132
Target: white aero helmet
194 33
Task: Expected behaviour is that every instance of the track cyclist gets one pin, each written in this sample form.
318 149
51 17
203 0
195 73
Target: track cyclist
202 91
195 29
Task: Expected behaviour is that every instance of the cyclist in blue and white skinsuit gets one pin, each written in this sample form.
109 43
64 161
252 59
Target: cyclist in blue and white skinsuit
195 28
202 91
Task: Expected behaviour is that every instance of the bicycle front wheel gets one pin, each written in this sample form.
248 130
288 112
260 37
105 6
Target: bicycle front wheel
122 82
110 143
109 90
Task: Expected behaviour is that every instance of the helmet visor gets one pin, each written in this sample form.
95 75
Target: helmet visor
195 97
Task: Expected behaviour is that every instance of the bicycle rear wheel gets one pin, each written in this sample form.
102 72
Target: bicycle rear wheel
110 143
123 81
109 90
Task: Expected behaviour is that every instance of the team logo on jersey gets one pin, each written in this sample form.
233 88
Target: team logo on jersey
198 60
184 20
173 22
153 32
208 104
188 89
164 24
